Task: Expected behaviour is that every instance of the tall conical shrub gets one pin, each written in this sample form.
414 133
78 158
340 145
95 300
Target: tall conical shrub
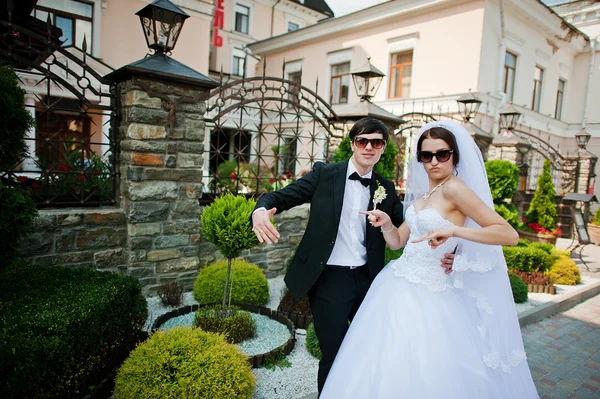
542 209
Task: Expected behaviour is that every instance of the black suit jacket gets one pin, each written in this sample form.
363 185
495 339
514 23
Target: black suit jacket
324 187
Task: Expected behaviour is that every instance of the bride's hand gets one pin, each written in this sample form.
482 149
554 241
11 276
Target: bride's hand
435 238
378 218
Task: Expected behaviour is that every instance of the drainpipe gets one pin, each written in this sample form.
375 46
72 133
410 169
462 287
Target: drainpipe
273 15
502 53
589 82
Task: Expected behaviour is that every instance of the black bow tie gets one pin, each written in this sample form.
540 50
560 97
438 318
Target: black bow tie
365 181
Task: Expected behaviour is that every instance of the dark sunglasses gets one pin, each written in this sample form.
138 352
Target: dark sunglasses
427 156
362 142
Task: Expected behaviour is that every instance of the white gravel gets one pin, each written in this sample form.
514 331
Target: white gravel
292 382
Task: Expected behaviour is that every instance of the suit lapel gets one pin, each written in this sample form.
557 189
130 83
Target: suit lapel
372 188
339 185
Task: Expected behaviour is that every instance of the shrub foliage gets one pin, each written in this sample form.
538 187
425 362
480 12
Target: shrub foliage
237 325
519 288
526 259
503 177
312 342
185 363
542 209
249 283
170 293
17 214
564 270
61 327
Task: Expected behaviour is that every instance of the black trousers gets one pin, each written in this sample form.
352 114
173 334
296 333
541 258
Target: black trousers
334 300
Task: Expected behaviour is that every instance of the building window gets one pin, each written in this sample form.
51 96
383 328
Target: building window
242 16
340 83
292 26
237 69
560 94
75 19
228 145
538 78
510 69
287 155
400 75
295 77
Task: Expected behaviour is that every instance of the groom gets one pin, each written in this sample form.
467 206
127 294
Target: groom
340 253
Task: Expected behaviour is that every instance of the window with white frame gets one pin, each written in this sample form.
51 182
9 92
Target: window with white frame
560 95
73 17
510 70
400 74
238 65
292 26
538 79
287 155
242 19
340 83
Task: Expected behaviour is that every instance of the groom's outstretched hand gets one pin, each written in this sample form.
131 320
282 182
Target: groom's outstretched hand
262 226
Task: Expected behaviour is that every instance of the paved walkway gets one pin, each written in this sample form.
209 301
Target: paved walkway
564 352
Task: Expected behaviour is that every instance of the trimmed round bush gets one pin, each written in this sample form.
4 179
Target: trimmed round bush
564 271
519 288
526 259
312 342
503 177
237 325
249 283
185 363
508 212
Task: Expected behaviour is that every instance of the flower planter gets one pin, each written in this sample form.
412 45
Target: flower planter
535 237
255 360
545 289
300 320
594 232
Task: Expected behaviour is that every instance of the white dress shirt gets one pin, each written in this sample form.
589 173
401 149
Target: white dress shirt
350 244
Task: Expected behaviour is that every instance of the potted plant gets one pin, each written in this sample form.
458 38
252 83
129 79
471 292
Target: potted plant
594 228
539 223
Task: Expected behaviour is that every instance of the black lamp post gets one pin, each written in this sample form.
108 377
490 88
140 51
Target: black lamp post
367 80
509 117
162 22
583 138
468 106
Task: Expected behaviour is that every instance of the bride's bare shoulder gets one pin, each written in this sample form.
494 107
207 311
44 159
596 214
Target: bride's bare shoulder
455 189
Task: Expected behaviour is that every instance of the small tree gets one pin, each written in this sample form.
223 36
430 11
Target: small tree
542 209
386 165
226 223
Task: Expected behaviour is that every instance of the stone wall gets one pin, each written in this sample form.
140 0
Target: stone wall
94 238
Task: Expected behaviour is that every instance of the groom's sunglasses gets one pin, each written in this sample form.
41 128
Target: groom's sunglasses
427 156
362 142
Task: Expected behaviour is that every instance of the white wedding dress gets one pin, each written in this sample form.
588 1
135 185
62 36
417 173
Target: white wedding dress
416 335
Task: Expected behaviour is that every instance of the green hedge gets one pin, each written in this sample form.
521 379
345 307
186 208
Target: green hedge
386 165
526 259
564 270
312 342
249 283
519 288
185 363
17 214
509 213
60 327
503 177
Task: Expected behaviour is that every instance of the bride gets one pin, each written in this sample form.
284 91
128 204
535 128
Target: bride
423 333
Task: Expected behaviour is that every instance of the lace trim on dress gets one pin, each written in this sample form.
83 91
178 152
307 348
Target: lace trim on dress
515 357
434 282
481 264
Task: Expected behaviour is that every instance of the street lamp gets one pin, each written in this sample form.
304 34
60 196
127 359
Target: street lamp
468 106
509 117
162 22
367 80
583 137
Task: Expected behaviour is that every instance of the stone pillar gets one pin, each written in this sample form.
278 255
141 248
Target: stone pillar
585 171
161 178
29 163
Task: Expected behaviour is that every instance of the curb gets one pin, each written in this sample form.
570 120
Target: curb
565 302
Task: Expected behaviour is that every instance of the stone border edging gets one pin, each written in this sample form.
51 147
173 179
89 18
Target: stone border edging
548 309
254 360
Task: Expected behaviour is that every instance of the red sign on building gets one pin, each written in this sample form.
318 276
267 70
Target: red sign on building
218 20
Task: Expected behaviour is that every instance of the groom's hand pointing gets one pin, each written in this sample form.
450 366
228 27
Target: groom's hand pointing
262 226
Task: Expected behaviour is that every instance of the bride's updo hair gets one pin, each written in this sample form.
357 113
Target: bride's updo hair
444 134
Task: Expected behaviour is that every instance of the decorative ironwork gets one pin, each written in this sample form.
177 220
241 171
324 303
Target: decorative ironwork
73 151
263 133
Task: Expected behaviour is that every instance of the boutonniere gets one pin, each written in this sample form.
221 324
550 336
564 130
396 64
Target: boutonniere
379 195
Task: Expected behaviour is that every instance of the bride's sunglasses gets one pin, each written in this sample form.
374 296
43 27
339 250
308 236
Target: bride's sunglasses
427 156
362 142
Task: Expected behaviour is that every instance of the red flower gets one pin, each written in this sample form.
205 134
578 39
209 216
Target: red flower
289 175
51 166
22 179
96 171
63 168
232 176
80 178
35 186
271 180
